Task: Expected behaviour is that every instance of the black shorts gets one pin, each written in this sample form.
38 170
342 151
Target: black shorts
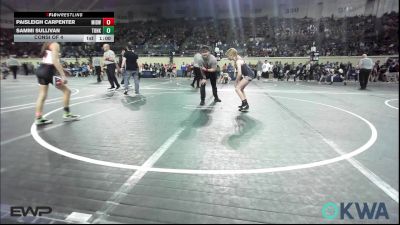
45 74
249 77
197 73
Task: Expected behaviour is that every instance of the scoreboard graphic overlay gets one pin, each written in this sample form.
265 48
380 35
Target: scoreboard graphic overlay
64 26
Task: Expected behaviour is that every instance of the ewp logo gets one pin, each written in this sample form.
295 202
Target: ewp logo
331 210
35 211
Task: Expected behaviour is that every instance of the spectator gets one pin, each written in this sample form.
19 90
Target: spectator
13 64
231 70
4 70
281 37
184 70
259 69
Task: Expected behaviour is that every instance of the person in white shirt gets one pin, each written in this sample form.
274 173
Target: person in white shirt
308 68
259 69
264 69
110 61
13 64
217 53
268 68
271 66
97 67
365 64
224 79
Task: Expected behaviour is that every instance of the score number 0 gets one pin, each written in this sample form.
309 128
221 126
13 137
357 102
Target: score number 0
108 21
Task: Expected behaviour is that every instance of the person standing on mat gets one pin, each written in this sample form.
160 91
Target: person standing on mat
45 74
119 64
365 64
13 64
130 65
197 62
109 62
209 71
244 75
97 68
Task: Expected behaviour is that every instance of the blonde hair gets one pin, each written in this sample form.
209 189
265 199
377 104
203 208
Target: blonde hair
231 53
45 47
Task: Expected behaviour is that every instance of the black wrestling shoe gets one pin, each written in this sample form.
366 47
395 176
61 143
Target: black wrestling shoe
202 103
244 108
217 100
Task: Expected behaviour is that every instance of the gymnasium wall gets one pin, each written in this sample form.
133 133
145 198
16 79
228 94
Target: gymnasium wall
252 60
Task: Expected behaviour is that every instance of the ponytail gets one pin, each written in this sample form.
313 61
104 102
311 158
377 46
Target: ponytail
45 47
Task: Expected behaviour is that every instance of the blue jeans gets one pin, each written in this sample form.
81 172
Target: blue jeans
127 76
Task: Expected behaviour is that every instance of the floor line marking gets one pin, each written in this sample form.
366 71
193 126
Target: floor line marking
134 179
34 103
131 182
55 126
49 103
58 125
29 134
24 96
389 100
381 184
353 153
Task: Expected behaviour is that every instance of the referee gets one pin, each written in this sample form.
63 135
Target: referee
365 64
209 71
109 61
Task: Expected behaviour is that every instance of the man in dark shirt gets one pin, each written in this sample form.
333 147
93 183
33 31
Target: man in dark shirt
130 65
25 65
119 64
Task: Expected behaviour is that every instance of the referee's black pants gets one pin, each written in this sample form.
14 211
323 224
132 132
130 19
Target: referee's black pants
111 75
14 70
97 70
364 74
213 81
